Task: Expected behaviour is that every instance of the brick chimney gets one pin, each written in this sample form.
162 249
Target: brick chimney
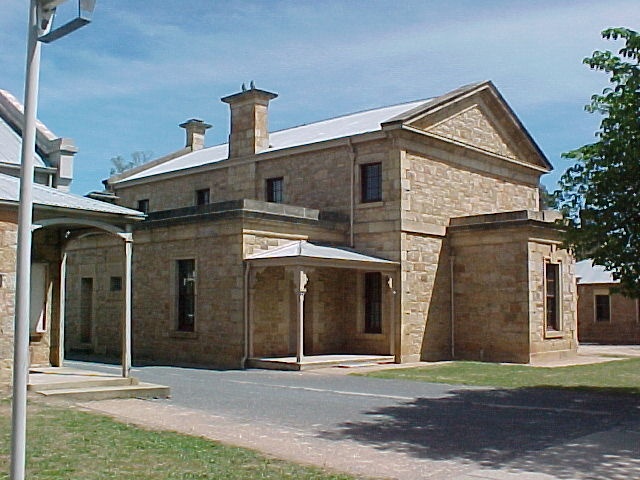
249 121
195 133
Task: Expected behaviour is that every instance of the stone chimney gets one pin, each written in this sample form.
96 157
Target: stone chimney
249 121
195 133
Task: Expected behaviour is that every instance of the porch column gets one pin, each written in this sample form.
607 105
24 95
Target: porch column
392 319
300 279
126 317
59 358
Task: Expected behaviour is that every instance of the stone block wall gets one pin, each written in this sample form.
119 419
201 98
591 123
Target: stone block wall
624 324
97 258
8 240
491 305
425 298
544 343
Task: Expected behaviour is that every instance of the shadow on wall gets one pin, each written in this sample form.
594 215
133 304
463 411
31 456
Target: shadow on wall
528 430
436 343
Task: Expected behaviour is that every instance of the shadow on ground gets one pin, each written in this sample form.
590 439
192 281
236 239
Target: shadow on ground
564 433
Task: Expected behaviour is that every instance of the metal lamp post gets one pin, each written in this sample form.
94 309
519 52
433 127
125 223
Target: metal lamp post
41 14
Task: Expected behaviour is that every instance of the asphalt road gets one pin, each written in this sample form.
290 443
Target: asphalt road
489 427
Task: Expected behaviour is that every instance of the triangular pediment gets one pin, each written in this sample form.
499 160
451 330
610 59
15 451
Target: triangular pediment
472 127
479 117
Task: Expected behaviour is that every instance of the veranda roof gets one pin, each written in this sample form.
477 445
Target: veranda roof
51 197
306 253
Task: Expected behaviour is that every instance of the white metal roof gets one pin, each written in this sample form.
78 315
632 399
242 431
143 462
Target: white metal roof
11 144
305 250
587 273
347 125
50 197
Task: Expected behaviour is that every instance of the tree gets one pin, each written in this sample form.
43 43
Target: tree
600 193
137 158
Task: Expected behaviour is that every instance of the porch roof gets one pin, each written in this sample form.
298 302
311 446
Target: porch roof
306 253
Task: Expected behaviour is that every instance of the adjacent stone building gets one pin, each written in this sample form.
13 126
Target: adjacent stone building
604 316
58 217
411 231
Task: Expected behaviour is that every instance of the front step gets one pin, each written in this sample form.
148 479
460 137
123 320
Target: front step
58 383
105 392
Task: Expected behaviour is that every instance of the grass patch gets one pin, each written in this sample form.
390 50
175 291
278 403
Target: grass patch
622 375
74 445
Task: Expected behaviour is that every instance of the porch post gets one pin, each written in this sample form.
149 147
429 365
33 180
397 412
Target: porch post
126 327
62 309
392 320
300 279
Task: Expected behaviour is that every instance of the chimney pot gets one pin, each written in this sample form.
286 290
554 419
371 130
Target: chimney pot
196 130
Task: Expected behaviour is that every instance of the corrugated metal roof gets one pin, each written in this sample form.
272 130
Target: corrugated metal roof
587 272
50 197
344 126
304 249
11 144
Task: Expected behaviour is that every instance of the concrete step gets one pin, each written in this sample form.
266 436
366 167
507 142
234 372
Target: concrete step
105 392
52 382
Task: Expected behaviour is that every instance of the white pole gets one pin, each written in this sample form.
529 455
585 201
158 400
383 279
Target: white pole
23 267
126 328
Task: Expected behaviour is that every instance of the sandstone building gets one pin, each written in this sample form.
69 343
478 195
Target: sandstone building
58 217
411 231
604 316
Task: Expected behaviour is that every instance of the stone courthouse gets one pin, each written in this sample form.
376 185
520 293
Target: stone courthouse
412 231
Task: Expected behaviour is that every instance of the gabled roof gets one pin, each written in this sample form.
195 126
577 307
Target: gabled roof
51 197
11 124
340 127
11 145
304 253
344 126
588 273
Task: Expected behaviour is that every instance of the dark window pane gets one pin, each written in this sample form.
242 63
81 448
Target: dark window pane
115 284
552 292
373 302
275 191
186 295
202 196
143 205
371 178
603 310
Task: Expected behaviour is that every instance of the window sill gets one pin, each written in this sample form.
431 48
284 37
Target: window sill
370 204
183 335
553 334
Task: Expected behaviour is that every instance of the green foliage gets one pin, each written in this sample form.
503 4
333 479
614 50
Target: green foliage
600 193
137 158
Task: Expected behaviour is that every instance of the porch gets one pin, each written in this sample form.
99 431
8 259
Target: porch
312 306
310 362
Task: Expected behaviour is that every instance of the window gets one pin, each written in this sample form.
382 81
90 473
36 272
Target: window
274 190
186 289
603 307
202 196
115 284
143 205
371 182
552 295
372 302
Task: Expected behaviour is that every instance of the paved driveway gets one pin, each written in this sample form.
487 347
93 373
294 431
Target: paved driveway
398 429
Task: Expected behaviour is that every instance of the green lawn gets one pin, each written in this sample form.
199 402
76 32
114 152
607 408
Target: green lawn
73 445
620 375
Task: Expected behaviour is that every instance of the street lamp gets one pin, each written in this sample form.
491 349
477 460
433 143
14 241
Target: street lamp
41 14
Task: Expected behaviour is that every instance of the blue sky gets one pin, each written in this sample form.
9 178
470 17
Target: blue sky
142 67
